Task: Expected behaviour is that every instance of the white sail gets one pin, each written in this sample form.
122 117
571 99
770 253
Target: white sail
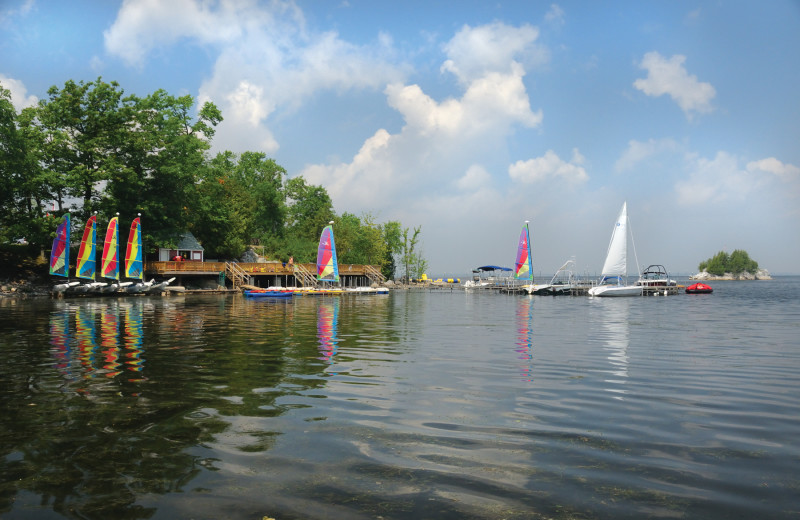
616 258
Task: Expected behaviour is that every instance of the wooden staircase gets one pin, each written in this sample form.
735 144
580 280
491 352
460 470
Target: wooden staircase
304 277
374 275
237 275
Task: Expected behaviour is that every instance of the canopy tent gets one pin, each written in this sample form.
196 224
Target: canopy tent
485 268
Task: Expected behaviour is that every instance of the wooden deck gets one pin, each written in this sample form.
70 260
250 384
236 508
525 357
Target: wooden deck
259 274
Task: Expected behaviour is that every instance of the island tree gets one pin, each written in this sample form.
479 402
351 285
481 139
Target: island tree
736 263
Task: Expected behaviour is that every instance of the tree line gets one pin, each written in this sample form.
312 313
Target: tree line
88 147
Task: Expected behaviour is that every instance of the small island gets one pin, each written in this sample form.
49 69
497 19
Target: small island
735 266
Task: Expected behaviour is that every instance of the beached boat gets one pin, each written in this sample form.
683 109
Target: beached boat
59 255
699 288
110 260
86 264
613 281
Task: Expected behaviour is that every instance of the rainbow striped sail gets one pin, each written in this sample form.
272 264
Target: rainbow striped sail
327 266
59 255
133 255
110 265
86 254
523 267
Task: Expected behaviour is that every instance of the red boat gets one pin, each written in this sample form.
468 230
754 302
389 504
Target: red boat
699 288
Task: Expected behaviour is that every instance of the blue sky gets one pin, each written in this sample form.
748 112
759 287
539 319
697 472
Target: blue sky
468 118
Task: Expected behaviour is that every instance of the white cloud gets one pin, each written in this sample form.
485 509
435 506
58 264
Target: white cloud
555 15
722 178
474 179
475 52
439 138
19 93
668 76
548 166
638 151
266 60
786 172
143 25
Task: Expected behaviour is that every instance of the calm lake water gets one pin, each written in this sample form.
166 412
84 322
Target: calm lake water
415 405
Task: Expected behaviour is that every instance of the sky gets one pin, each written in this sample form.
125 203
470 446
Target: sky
468 118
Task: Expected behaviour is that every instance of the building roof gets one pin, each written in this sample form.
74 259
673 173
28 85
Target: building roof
188 241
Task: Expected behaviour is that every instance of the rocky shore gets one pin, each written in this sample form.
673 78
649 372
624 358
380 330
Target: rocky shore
761 274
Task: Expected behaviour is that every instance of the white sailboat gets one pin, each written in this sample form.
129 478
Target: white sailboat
613 280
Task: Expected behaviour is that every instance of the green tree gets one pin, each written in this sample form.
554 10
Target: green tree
263 179
736 263
79 129
24 185
309 209
392 233
162 156
413 262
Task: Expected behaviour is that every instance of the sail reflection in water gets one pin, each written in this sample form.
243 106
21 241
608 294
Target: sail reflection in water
119 348
60 340
86 334
327 324
133 338
616 333
109 339
524 343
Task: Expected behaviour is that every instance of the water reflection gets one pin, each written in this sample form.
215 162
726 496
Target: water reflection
134 354
327 325
109 339
616 335
60 340
76 346
86 335
524 343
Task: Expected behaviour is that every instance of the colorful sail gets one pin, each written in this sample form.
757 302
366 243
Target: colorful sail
523 265
133 255
327 266
86 254
110 265
59 255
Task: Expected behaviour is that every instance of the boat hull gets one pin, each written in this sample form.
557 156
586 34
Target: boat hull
616 290
268 294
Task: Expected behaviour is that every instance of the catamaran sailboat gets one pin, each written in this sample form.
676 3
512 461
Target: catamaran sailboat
613 280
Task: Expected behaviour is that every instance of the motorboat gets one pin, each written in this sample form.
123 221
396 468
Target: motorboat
655 276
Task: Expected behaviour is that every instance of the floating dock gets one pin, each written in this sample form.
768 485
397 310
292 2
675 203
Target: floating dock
583 290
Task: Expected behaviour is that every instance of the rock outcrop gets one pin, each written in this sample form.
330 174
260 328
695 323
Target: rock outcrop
761 274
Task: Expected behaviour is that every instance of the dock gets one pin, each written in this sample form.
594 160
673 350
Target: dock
583 290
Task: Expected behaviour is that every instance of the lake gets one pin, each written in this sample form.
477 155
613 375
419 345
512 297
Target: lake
417 405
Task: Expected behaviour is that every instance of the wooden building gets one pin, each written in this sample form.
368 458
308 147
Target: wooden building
188 248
